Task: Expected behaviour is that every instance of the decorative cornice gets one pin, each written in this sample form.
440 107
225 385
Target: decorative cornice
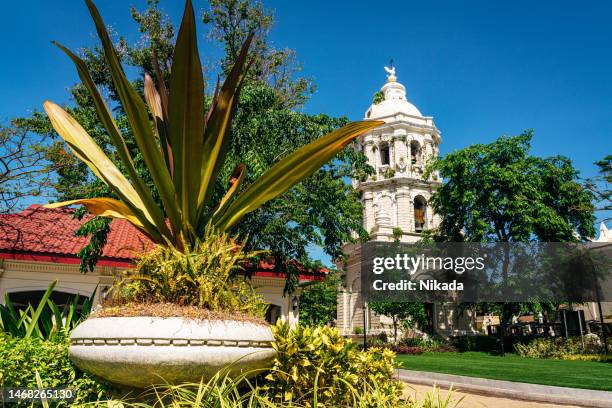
169 342
404 181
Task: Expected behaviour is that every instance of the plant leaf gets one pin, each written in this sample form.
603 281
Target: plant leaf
138 118
235 181
57 314
103 207
219 125
86 149
163 91
117 139
155 106
186 115
291 170
33 324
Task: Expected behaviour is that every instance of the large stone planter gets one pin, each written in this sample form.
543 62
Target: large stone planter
143 351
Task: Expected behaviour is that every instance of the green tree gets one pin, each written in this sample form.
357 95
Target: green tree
230 22
318 301
600 186
322 210
498 192
24 171
408 313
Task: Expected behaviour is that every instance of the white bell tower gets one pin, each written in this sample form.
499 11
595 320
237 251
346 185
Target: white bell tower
396 198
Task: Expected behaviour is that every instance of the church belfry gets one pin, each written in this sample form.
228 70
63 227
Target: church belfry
396 197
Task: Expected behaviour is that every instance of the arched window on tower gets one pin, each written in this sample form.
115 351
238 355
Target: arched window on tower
415 152
385 156
420 213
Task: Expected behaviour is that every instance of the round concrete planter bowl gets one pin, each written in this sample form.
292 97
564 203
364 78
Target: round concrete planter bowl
143 351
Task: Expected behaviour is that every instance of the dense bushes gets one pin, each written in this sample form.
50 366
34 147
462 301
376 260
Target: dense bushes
46 320
412 345
487 344
21 358
318 364
563 349
315 367
433 344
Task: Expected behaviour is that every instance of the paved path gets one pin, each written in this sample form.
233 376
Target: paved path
469 400
508 392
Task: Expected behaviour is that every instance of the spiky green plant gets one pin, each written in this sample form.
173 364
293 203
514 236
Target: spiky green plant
185 149
205 274
46 320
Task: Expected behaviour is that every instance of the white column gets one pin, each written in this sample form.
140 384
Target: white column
368 211
403 208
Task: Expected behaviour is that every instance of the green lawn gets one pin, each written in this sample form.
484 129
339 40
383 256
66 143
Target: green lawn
576 374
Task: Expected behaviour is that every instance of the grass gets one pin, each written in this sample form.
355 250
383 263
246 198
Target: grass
575 374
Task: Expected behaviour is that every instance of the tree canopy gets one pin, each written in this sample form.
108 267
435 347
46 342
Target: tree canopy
600 186
498 192
318 300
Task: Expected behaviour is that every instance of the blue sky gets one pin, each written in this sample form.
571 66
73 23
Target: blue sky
481 68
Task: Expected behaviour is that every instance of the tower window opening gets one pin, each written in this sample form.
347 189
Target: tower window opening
385 157
420 207
415 152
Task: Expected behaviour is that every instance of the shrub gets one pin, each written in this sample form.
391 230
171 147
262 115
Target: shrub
222 391
487 344
45 320
432 344
413 345
604 358
205 275
318 364
399 349
21 358
358 330
561 348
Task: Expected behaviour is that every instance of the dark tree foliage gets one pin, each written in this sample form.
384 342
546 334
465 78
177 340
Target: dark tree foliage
230 22
318 301
322 210
600 186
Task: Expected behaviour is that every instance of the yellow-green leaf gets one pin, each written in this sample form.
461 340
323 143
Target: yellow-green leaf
86 149
103 207
117 139
138 117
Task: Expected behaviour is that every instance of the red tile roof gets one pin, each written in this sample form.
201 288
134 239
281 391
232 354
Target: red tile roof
51 231
43 234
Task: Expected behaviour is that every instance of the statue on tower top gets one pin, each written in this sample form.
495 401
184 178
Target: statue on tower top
391 71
